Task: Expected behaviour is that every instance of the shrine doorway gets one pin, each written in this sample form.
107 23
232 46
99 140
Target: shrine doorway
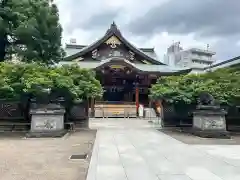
119 83
125 88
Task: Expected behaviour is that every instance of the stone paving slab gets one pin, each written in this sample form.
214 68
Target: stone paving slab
134 150
174 177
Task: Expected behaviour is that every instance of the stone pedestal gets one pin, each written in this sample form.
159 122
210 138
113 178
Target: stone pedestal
149 113
47 123
210 123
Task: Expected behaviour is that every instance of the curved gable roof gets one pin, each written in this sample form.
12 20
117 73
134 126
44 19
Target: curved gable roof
228 63
114 31
144 68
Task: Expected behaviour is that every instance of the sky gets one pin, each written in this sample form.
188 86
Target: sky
156 23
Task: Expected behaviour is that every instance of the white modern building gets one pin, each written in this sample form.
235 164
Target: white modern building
194 58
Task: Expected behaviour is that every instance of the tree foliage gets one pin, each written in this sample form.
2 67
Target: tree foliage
223 84
30 30
69 81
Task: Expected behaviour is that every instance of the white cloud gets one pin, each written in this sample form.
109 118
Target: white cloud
74 14
238 43
163 40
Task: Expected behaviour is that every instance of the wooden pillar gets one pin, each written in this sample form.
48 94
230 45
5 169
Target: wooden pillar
137 98
150 103
92 107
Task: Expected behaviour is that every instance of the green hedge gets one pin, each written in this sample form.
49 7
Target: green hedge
69 81
223 84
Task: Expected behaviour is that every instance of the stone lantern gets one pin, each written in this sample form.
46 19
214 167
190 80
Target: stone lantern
47 116
209 118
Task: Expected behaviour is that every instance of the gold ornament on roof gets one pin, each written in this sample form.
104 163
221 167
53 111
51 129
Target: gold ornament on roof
131 55
95 54
113 42
146 62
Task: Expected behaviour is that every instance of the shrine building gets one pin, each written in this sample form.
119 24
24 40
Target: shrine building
125 72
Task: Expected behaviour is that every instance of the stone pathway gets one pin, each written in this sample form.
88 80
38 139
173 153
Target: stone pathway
134 150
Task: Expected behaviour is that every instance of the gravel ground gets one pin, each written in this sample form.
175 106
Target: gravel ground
45 158
188 138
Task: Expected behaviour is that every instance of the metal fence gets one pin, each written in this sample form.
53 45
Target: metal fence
115 109
232 117
17 112
78 114
182 115
12 110
177 115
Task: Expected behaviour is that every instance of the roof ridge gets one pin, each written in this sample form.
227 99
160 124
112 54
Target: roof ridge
77 46
223 62
147 49
113 28
82 46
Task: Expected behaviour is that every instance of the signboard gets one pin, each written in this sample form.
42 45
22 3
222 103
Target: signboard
117 66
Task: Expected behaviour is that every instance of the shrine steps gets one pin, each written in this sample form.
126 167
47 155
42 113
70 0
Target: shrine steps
14 127
115 110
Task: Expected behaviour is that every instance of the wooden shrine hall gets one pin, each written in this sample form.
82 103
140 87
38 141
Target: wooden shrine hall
126 72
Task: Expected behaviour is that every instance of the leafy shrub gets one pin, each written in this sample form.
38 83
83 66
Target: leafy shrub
32 80
223 84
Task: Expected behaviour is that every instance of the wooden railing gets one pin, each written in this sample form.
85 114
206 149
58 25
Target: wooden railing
115 109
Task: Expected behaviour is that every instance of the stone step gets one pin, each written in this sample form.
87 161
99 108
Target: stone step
21 128
233 128
16 128
115 110
5 128
81 124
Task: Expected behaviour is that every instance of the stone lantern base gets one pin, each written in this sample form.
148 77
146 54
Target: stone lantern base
210 123
47 121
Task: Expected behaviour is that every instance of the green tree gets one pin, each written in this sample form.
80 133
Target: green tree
223 84
76 82
7 23
33 79
31 30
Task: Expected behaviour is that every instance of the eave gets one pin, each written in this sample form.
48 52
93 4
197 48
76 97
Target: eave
159 70
230 62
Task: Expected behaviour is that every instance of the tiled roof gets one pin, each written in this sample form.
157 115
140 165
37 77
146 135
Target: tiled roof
229 62
160 69
114 31
74 48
